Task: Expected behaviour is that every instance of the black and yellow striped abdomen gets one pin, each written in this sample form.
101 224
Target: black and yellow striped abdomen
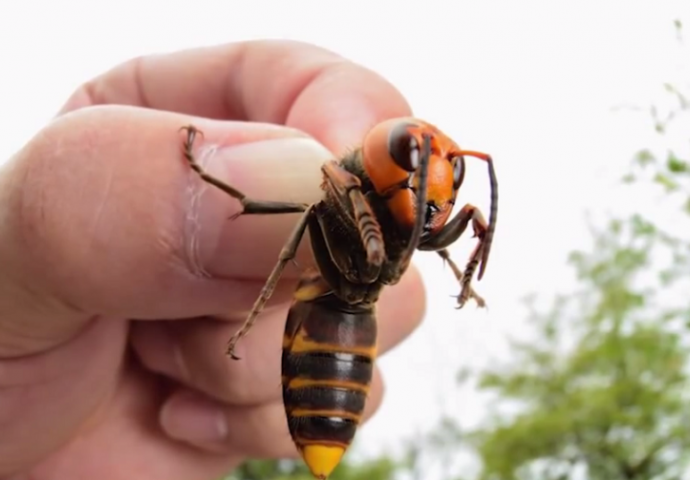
329 349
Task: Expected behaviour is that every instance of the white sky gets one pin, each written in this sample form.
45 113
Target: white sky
532 82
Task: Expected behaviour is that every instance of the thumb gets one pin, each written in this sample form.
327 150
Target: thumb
102 215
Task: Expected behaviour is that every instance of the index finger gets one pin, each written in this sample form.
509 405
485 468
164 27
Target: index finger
283 82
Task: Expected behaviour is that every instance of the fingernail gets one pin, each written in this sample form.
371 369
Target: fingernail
281 168
278 169
192 418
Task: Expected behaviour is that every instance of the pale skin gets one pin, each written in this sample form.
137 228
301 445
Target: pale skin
103 222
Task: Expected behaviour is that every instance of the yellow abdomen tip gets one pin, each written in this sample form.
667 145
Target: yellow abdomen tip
322 459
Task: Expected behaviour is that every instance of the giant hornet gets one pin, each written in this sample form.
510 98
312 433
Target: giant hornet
380 203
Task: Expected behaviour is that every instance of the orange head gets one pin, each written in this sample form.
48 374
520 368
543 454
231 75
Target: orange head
391 153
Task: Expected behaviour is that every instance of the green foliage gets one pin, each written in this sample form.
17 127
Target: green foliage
603 390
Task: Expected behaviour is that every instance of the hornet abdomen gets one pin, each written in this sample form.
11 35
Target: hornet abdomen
329 349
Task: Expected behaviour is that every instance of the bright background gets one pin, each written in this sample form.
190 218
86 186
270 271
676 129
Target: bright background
535 83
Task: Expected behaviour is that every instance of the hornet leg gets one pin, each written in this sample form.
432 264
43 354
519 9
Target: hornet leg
445 255
348 197
286 255
249 206
451 232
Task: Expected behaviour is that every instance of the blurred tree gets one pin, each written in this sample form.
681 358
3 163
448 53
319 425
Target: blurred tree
603 391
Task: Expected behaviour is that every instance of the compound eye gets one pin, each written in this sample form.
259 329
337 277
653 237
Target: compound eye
403 147
458 171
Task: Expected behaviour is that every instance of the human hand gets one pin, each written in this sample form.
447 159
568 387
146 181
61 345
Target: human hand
114 254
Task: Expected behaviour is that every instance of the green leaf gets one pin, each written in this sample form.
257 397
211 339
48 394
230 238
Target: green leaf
642 227
644 158
676 165
629 178
666 182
